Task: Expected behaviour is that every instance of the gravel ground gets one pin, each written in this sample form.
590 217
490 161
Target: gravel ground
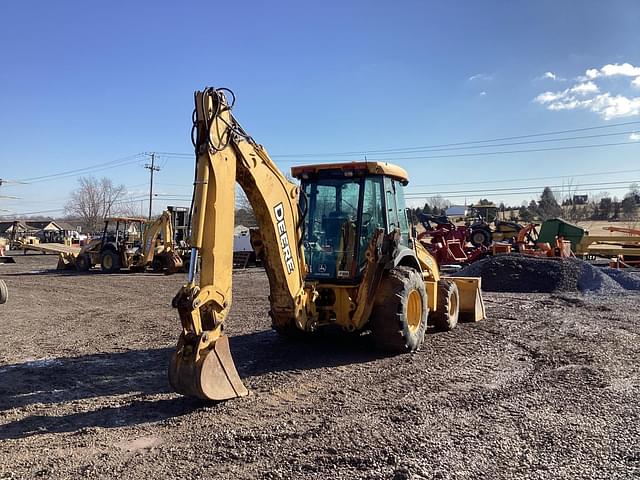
546 388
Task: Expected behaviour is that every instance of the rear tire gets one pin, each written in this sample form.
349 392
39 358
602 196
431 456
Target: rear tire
83 263
157 264
110 262
4 292
399 315
480 237
446 316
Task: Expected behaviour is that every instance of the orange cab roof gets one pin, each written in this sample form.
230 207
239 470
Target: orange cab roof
371 168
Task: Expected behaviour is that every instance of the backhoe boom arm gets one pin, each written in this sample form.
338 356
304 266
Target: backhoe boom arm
202 364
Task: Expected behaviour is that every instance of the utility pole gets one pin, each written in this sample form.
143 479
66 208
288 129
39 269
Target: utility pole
152 168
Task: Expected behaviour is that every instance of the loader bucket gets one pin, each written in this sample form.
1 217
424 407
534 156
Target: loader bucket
6 259
471 303
65 262
212 377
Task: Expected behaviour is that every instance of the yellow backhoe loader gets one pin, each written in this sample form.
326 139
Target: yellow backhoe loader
115 249
337 251
128 242
163 255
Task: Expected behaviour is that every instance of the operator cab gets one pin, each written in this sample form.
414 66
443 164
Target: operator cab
122 233
345 204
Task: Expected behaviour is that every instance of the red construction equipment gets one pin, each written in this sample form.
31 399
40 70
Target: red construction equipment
448 242
630 231
527 242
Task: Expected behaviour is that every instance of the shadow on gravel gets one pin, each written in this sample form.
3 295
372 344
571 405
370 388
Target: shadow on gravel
264 352
61 380
56 380
134 413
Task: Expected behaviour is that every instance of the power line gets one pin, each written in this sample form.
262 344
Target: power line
532 192
515 189
520 179
482 154
117 202
452 146
546 140
455 144
134 158
175 154
35 213
79 171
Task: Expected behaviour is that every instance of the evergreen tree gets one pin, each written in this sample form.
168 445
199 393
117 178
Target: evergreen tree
533 209
524 214
548 206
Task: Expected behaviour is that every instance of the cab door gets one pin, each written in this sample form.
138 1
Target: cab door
395 209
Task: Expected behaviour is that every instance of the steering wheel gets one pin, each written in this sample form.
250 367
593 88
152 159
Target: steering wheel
366 218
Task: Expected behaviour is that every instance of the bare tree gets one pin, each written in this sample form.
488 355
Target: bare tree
569 209
94 200
129 208
437 201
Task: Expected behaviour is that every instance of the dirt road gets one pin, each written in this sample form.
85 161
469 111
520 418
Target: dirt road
547 387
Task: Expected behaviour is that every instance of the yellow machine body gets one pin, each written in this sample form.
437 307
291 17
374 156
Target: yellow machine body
369 269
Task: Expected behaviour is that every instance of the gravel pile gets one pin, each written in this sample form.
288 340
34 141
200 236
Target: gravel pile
528 274
629 280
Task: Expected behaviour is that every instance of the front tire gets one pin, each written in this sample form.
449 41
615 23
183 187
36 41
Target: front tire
399 315
83 262
446 316
110 262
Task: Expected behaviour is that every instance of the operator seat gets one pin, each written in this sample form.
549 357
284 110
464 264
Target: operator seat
332 225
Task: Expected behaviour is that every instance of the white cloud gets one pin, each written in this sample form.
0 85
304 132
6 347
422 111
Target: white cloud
634 137
569 104
548 97
609 106
481 76
483 93
568 93
587 95
550 76
606 105
611 70
626 69
592 73
584 88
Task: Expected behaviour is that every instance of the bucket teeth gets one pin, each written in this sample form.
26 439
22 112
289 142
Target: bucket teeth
212 377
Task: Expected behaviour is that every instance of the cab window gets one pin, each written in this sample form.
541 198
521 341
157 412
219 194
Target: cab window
372 215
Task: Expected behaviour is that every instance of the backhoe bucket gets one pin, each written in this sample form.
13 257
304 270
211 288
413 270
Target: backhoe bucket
212 377
471 303
173 262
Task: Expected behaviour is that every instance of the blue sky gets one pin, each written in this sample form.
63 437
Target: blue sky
83 83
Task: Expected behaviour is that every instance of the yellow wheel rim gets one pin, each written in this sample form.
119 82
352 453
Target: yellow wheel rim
414 311
108 262
453 304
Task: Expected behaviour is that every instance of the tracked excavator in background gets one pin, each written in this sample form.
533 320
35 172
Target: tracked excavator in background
337 250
